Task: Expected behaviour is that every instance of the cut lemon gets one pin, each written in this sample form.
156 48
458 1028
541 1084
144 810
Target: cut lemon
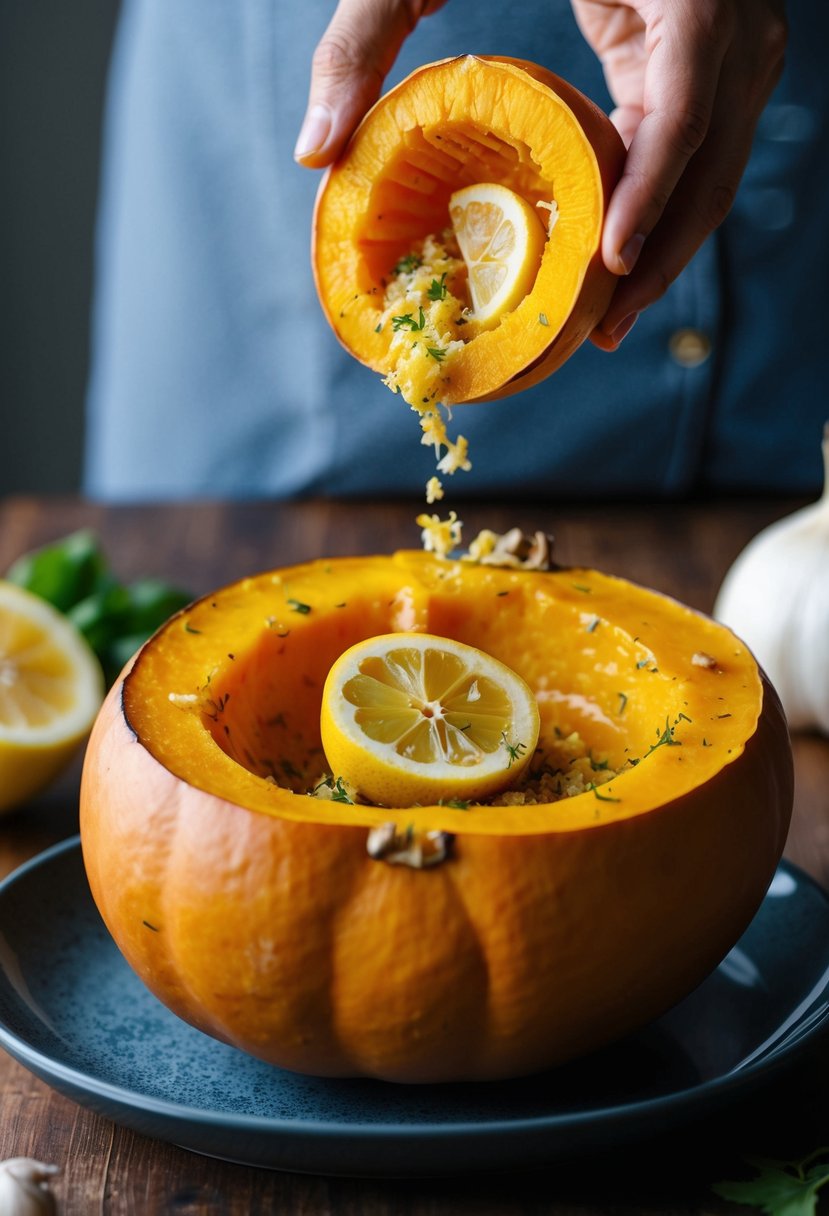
409 718
501 238
51 688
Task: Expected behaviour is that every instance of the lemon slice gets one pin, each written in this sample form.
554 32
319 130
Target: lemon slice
411 718
51 687
501 239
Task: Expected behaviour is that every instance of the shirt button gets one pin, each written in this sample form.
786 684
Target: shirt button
689 347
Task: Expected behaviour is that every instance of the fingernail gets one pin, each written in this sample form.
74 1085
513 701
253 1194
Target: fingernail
629 253
624 327
314 131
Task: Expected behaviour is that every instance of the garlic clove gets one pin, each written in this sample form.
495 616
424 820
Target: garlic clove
24 1187
776 598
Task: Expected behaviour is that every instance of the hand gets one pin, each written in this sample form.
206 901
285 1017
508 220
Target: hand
689 79
350 64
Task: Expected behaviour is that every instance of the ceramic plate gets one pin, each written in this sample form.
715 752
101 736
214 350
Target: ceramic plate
73 1012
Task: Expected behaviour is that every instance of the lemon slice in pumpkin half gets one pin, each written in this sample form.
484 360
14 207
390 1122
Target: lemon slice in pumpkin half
414 718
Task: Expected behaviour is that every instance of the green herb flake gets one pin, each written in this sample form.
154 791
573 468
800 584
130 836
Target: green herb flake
378 328
542 319
591 628
437 288
515 750
188 628
457 804
340 793
154 928
602 797
622 703
298 606
437 354
407 264
585 590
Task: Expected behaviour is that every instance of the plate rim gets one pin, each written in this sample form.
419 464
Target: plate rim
687 1098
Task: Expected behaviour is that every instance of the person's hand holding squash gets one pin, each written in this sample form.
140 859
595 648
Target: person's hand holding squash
689 79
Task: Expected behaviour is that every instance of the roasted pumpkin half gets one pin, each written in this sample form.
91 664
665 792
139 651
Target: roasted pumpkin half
256 913
448 126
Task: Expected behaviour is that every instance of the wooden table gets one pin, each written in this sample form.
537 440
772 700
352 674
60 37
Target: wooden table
680 550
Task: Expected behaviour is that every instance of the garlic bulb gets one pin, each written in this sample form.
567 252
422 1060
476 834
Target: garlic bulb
776 598
24 1188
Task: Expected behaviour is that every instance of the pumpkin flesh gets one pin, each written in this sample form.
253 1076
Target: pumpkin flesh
254 911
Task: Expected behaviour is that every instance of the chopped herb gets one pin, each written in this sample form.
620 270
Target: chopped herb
542 319
340 794
149 926
593 625
622 703
602 797
437 288
581 587
683 718
188 628
407 264
406 321
723 715
501 593
437 354
298 606
665 739
642 663
377 328
342 605
457 804
705 743
516 750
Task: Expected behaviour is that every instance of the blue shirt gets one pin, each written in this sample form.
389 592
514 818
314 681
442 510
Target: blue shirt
214 373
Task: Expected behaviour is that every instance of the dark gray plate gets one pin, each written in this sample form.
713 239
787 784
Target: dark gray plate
75 1014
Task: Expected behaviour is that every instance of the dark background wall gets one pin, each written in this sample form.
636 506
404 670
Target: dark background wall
53 63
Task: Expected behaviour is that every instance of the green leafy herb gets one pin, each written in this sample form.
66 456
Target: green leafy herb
593 625
437 288
458 803
407 321
542 319
298 606
340 794
622 702
437 354
407 264
516 750
601 797
665 739
781 1188
74 575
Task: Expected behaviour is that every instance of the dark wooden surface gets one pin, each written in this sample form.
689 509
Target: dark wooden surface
683 551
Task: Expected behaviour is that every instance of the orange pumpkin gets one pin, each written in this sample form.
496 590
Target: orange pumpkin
448 125
255 912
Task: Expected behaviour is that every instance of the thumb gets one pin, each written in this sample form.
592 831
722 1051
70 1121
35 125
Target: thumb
349 66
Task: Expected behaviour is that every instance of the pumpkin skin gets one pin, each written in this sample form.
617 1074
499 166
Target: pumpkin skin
450 124
256 914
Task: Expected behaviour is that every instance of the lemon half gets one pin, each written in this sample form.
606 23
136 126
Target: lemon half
51 687
416 719
501 239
